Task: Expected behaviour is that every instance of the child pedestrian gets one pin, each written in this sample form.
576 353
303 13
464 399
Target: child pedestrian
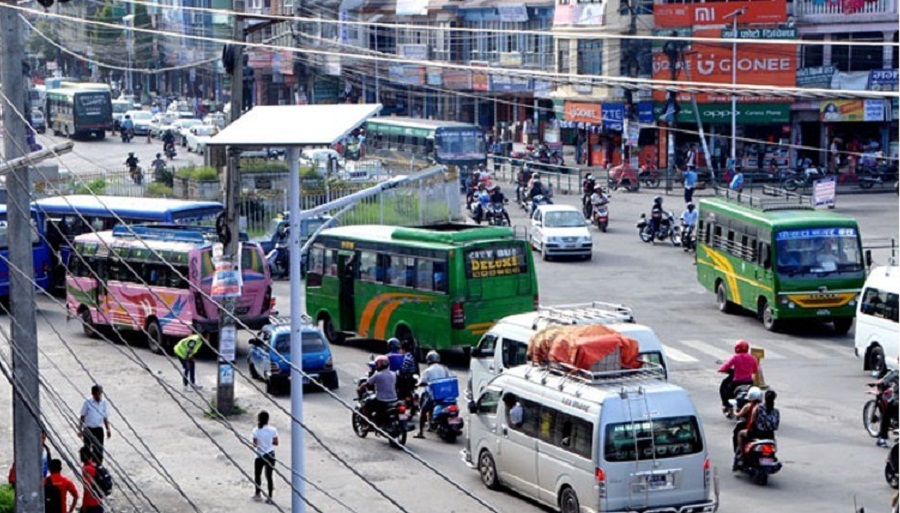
265 438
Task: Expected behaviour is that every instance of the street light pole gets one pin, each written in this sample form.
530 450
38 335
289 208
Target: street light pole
128 20
734 19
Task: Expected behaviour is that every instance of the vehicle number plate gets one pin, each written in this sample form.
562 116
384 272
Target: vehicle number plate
657 481
453 420
403 416
766 461
569 246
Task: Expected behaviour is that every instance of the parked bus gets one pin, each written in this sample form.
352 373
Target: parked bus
148 278
439 286
781 261
69 216
39 249
460 146
877 331
79 111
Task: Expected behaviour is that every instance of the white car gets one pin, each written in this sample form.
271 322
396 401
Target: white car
141 120
180 128
560 230
198 136
160 123
318 158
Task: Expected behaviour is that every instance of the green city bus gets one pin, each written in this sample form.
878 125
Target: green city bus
440 286
79 110
780 261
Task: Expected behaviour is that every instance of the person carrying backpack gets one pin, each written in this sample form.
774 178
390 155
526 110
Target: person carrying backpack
767 418
92 501
56 488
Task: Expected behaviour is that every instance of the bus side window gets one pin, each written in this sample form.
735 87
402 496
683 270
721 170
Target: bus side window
329 263
424 275
315 266
440 277
368 266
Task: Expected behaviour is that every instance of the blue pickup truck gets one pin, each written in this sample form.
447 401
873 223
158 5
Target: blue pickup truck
270 356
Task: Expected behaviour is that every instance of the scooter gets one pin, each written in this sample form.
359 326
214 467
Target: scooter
127 135
496 215
445 419
758 459
394 422
687 238
601 215
170 151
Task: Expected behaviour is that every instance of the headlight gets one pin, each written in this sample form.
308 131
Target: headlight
329 363
553 240
587 238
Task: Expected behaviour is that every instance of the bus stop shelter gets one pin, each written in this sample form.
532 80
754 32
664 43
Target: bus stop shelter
291 127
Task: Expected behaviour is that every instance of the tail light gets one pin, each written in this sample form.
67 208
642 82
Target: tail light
457 316
268 301
453 410
199 306
537 302
707 473
401 408
767 449
600 477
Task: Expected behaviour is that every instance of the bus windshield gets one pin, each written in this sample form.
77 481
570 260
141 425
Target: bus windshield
818 252
462 144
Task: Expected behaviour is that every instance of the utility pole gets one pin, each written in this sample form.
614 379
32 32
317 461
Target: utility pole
231 251
673 50
23 329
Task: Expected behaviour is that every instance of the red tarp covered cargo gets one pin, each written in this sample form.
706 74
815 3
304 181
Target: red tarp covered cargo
591 347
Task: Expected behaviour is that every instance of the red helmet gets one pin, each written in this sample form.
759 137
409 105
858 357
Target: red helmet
741 346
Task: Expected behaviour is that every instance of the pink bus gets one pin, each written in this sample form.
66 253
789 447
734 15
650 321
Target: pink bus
146 278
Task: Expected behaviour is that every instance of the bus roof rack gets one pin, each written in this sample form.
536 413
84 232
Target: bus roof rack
781 199
164 233
648 371
286 319
595 312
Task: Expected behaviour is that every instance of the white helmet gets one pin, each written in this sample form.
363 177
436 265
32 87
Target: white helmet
754 394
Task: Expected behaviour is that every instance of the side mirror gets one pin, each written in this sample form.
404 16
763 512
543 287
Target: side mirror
868 258
476 352
643 215
473 407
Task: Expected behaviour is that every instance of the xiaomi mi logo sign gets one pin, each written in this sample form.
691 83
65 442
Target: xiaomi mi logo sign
704 15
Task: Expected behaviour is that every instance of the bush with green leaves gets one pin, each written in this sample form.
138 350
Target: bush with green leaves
198 173
164 175
97 186
7 499
159 190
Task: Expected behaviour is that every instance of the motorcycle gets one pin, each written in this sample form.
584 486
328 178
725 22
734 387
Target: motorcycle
394 422
601 215
890 465
496 215
801 178
127 135
666 230
874 409
534 203
870 176
279 258
169 149
757 459
623 176
687 238
445 419
649 177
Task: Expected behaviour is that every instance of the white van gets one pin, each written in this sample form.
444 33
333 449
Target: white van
877 332
594 442
506 343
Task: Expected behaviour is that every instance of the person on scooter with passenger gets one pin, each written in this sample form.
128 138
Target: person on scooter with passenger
384 381
435 371
656 213
747 416
482 199
741 368
588 186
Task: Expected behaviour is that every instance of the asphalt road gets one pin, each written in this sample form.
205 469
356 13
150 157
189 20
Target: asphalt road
830 461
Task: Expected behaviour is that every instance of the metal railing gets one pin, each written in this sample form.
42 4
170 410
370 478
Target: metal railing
814 8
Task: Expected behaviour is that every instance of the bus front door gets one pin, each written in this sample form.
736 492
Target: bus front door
347 264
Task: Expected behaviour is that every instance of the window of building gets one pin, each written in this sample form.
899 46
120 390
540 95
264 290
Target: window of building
590 56
812 54
857 58
563 65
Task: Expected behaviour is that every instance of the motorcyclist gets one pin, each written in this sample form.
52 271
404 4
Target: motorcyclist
689 219
158 164
523 181
127 128
435 371
888 380
536 189
168 139
587 190
132 164
741 368
747 414
482 199
384 381
497 195
656 213
599 198
472 185
395 357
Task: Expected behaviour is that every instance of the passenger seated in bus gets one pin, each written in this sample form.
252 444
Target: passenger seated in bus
440 283
788 260
827 257
514 410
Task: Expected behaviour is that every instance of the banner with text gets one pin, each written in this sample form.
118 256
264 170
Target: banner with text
771 12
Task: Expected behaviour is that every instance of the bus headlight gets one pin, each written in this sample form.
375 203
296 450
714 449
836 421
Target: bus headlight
791 305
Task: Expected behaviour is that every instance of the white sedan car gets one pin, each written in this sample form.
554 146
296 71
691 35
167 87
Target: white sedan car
560 230
141 120
198 136
180 128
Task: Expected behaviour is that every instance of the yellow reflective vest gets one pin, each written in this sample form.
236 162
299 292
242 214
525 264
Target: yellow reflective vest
188 347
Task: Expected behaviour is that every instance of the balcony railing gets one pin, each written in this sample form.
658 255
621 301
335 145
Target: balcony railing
806 9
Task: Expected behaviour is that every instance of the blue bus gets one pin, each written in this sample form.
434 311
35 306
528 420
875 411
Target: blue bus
66 217
40 251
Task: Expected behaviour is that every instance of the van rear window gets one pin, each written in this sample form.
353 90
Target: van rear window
664 437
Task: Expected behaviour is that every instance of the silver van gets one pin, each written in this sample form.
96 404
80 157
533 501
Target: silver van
617 441
506 343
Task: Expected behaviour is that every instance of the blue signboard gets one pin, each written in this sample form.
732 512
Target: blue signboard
815 233
613 114
645 112
511 83
883 80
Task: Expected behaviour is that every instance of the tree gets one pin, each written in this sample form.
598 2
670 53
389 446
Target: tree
37 44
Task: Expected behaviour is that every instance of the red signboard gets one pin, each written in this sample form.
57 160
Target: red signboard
584 112
713 13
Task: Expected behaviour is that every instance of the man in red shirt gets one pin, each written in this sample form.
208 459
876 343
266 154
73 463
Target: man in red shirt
63 484
93 497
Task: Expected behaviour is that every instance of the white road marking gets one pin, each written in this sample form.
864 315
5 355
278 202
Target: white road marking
676 355
703 347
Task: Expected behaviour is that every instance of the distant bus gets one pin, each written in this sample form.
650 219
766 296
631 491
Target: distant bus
780 261
69 216
39 248
150 279
82 110
440 286
454 144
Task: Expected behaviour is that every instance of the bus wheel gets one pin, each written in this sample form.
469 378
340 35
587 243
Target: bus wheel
875 361
568 501
155 337
842 325
768 316
725 306
87 324
327 327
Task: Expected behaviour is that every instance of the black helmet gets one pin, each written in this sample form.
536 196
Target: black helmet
159 155
690 206
393 344
658 200
589 177
496 188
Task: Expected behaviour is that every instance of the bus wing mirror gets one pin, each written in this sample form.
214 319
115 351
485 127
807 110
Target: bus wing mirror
868 258
476 352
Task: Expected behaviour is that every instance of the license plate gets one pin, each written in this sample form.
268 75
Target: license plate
403 416
766 461
657 481
569 246
242 310
453 420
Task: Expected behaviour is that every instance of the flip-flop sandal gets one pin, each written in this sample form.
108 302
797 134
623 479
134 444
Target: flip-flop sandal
418 436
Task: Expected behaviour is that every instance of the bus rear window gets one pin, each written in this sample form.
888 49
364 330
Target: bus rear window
489 262
665 438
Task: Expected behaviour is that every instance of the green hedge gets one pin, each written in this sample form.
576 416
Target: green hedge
198 173
7 499
97 186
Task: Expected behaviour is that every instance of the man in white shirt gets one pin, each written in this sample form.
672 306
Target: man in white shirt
94 417
433 372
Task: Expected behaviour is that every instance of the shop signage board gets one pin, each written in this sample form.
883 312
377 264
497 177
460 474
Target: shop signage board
761 33
883 80
511 59
412 7
434 76
848 111
259 59
817 76
578 112
458 79
514 13
720 113
415 52
510 83
406 74
612 115
824 192
771 12
645 112
592 14
480 79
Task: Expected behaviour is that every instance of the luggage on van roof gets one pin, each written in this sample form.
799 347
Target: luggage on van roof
589 347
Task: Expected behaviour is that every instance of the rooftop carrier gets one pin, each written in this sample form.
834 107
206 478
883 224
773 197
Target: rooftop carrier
588 347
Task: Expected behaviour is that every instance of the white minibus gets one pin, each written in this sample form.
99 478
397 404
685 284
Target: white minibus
877 330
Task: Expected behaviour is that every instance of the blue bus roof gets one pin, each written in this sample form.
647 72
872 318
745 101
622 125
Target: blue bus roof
142 209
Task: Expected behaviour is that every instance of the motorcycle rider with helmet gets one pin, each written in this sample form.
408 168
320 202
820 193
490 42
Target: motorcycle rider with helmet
889 379
168 139
588 186
656 213
741 368
689 222
435 371
747 414
536 189
482 199
384 381
523 181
